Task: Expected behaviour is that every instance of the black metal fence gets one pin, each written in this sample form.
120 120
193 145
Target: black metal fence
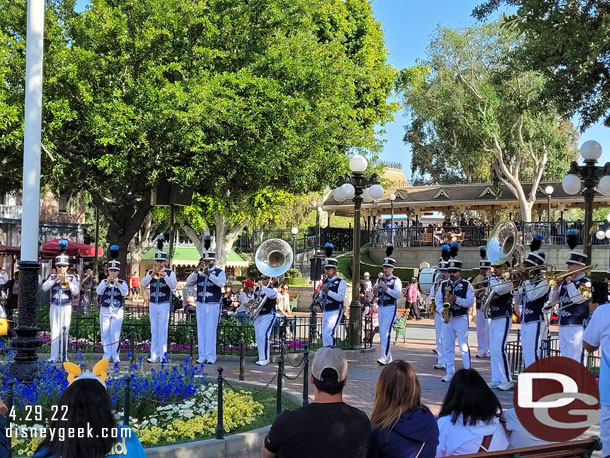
234 335
550 347
341 238
554 233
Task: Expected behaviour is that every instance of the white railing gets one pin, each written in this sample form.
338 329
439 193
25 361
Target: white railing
10 211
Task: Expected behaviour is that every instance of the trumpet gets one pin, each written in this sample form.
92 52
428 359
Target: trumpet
65 282
156 274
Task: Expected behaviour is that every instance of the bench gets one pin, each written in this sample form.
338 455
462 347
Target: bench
570 449
294 301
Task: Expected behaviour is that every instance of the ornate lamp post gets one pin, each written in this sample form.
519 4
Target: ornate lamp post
295 231
590 176
392 199
549 191
357 187
25 366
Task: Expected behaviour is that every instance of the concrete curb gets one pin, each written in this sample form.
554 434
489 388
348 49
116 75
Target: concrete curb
232 445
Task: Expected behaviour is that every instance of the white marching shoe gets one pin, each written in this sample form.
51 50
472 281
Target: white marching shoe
505 386
447 377
493 384
262 363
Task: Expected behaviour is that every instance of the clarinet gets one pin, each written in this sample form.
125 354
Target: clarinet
325 298
382 295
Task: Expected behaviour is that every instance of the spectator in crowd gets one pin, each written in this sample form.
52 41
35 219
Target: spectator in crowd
283 312
85 291
88 405
327 428
3 276
13 292
244 297
596 335
401 426
134 285
4 451
519 436
370 322
229 301
368 286
470 420
412 299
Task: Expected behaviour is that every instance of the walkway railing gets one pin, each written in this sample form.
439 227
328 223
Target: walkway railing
554 233
234 335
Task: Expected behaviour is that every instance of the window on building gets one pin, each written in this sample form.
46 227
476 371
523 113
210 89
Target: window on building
63 204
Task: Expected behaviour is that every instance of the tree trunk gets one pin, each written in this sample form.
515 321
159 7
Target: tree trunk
124 220
140 242
225 237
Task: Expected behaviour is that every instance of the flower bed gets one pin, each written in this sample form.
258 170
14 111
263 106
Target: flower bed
170 405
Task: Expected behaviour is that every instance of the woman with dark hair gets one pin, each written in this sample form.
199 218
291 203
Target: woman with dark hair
86 404
471 419
401 426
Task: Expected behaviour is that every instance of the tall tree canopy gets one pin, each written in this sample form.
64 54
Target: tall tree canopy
231 97
568 42
470 118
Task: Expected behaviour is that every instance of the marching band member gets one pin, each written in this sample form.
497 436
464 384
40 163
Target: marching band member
533 295
162 282
63 286
389 289
333 295
501 313
460 295
438 317
210 281
112 292
573 308
481 285
263 323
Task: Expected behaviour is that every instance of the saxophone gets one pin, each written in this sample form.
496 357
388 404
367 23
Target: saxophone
446 305
433 300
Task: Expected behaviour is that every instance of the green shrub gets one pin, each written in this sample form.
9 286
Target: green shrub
292 273
252 271
295 281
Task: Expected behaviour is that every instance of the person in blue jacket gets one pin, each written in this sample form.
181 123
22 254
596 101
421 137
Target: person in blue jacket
401 427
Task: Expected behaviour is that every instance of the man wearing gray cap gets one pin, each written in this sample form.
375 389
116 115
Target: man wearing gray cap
326 428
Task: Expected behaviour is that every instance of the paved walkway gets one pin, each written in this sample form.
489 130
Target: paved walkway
363 371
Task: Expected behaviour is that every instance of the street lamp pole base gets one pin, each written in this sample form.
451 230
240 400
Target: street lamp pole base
355 324
25 366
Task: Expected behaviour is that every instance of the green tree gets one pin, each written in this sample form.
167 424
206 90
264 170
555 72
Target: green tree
231 97
469 119
568 43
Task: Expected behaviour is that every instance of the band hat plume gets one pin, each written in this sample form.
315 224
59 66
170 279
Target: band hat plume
207 243
62 259
484 263
575 257
328 252
98 373
388 261
453 263
160 255
113 264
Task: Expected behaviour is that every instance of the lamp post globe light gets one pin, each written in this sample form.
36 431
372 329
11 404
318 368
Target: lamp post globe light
588 176
357 187
604 235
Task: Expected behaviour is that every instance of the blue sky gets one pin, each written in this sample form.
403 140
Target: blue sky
407 26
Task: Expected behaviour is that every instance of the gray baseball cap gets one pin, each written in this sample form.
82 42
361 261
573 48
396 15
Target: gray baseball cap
329 358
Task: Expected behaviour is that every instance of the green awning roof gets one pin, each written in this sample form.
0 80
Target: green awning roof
190 256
